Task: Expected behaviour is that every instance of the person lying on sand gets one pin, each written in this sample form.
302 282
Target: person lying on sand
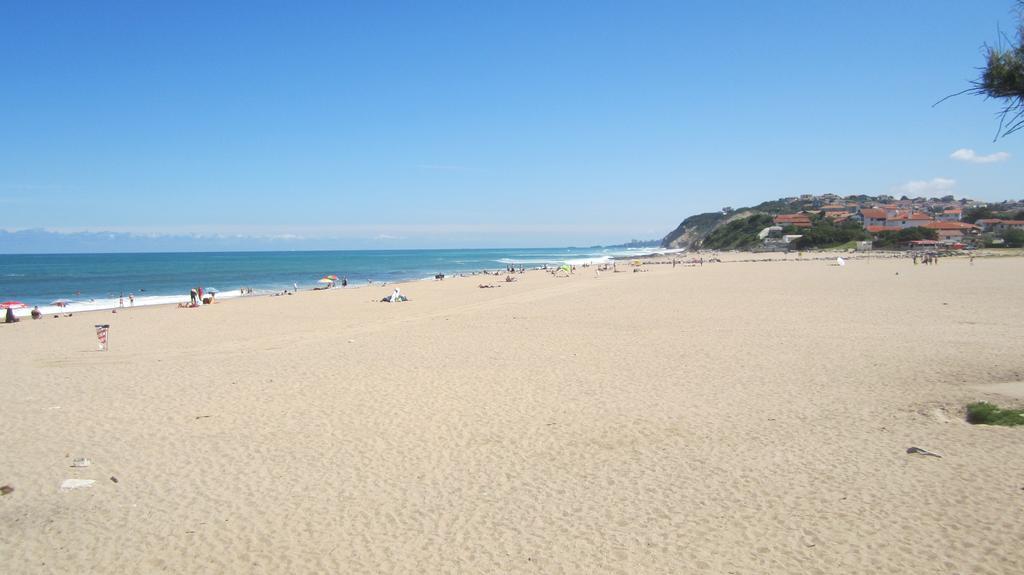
395 297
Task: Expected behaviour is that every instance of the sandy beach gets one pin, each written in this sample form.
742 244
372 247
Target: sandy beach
734 417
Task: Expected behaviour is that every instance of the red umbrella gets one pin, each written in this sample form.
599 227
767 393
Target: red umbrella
12 305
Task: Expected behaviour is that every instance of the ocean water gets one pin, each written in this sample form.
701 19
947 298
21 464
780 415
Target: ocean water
98 281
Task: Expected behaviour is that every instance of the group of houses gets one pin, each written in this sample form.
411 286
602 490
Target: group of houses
945 219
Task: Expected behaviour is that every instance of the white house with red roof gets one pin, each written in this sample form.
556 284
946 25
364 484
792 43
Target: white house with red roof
1003 225
889 219
952 231
800 220
986 224
909 219
873 217
999 225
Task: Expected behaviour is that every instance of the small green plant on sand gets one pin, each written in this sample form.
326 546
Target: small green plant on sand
989 414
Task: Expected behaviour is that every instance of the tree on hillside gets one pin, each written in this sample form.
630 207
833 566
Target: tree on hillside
825 233
1013 238
1002 78
971 215
895 239
737 234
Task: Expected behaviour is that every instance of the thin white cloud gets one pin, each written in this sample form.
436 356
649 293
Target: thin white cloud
969 155
918 187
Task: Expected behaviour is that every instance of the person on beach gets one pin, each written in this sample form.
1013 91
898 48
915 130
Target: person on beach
131 300
36 314
11 318
193 295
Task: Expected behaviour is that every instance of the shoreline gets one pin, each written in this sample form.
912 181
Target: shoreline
262 272
682 257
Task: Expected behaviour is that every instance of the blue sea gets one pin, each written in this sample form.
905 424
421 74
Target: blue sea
98 281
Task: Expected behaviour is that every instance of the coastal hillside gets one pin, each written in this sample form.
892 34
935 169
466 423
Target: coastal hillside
829 220
695 230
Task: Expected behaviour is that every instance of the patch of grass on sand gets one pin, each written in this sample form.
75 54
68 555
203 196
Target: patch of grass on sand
850 245
989 414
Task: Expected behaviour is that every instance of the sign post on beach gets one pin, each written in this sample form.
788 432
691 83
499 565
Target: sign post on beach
101 334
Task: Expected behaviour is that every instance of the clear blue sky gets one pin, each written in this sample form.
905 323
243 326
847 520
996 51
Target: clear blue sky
428 124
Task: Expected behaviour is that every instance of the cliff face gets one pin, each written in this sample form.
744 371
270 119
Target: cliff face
692 231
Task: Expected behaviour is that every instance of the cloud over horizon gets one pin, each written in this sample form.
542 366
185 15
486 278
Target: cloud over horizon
918 187
969 155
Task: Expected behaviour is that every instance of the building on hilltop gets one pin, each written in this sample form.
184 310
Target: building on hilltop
800 220
985 224
908 220
999 225
888 218
1003 225
952 231
880 229
872 217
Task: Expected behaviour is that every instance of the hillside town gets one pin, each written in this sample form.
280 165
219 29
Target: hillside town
945 223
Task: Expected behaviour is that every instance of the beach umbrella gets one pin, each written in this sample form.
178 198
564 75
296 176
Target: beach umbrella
12 305
212 290
60 302
332 277
325 280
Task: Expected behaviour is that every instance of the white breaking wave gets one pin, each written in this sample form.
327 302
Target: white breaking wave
100 304
556 261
